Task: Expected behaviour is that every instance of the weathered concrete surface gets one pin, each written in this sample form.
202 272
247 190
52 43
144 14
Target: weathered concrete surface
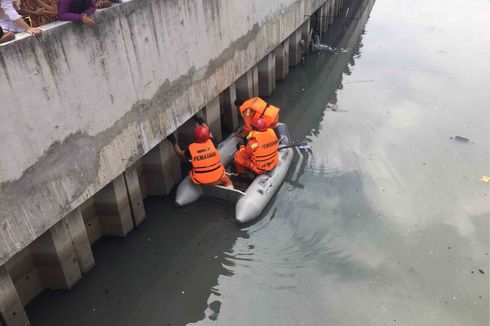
24 275
294 48
135 194
11 309
282 60
231 118
267 74
212 116
81 105
55 258
161 169
113 209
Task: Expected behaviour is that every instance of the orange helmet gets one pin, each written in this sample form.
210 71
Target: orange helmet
259 124
201 134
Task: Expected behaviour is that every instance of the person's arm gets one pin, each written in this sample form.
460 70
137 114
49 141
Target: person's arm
177 148
91 8
249 149
14 16
65 14
46 9
200 121
246 129
179 151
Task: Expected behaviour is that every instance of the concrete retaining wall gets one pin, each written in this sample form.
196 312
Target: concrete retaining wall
78 106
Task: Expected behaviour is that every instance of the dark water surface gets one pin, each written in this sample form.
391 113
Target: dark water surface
386 222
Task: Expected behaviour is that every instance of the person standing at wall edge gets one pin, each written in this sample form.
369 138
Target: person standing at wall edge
205 159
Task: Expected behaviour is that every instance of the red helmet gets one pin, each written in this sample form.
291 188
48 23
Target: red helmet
201 134
259 124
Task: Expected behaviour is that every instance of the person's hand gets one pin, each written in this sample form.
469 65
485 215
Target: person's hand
103 4
34 31
172 139
87 21
198 119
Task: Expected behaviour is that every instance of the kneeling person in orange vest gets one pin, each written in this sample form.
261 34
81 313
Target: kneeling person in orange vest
257 108
205 159
261 152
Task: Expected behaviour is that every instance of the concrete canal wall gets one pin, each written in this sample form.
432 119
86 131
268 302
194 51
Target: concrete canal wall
85 113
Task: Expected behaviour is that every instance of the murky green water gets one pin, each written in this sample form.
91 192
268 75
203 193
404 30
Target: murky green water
386 222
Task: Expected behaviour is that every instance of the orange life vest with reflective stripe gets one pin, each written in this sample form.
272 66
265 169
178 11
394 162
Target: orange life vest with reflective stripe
265 154
257 107
206 163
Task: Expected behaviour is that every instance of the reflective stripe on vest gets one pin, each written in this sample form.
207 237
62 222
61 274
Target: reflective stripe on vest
206 163
265 156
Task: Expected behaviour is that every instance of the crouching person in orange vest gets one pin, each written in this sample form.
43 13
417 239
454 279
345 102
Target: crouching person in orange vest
257 108
205 159
261 152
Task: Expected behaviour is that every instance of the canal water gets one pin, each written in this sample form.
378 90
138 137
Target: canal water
384 222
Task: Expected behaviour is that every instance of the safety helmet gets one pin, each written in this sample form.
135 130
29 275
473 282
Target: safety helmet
259 124
201 134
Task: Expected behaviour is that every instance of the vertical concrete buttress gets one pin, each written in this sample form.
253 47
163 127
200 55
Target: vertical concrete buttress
282 60
55 258
324 17
24 275
12 311
135 194
247 86
81 244
161 169
212 116
294 48
244 86
90 219
231 116
113 209
255 80
267 74
305 35
331 5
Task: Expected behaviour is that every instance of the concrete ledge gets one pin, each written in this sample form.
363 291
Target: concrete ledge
79 105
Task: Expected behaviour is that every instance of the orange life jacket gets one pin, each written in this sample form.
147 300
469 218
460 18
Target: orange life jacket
206 163
265 154
257 107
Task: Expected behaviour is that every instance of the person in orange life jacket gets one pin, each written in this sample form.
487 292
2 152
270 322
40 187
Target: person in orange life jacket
205 159
256 108
261 152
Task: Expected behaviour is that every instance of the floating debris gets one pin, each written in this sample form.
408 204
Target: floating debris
334 108
461 139
317 46
481 271
485 178
359 81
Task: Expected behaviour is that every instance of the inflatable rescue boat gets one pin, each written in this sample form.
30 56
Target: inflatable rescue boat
251 201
